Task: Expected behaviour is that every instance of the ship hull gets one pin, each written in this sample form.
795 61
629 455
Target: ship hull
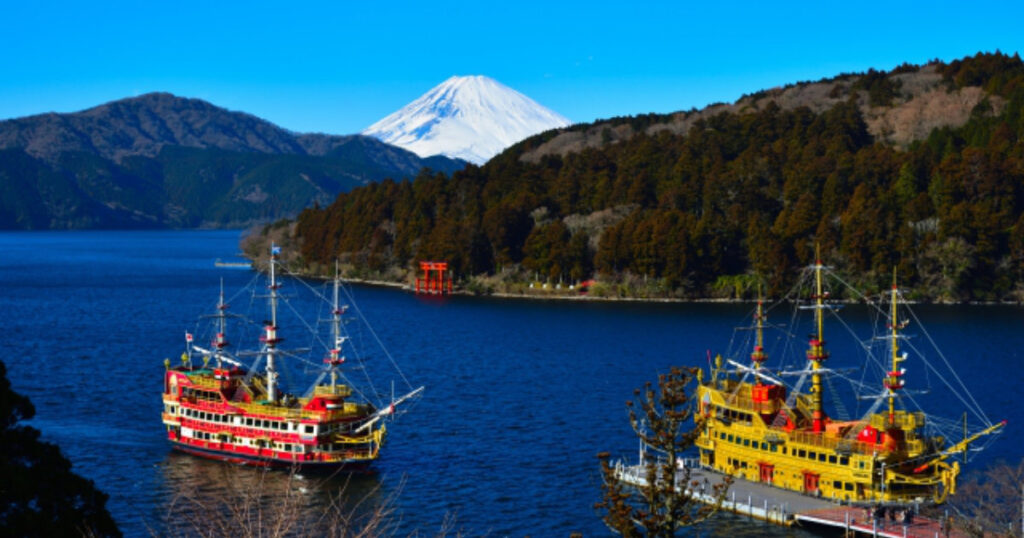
254 460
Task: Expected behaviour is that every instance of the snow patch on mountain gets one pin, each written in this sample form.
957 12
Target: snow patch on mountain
472 118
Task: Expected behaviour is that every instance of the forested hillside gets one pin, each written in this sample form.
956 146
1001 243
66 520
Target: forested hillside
740 195
158 160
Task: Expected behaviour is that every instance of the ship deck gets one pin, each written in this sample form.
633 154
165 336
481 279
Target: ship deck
784 507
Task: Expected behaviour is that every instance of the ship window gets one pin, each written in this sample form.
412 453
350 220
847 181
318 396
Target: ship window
801 453
773 448
248 422
832 459
309 428
821 457
848 486
843 460
764 446
837 484
730 438
784 451
746 442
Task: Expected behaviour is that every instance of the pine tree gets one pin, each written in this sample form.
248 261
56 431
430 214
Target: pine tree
660 419
39 494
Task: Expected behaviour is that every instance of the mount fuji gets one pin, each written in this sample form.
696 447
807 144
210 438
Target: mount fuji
472 118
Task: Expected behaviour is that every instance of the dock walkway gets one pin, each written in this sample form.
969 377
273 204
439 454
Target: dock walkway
853 519
784 507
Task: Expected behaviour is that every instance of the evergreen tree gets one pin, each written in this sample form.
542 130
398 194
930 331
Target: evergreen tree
659 508
39 494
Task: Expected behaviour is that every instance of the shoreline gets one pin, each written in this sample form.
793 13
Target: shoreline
588 298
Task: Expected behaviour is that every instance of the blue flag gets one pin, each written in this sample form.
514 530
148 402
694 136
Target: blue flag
275 250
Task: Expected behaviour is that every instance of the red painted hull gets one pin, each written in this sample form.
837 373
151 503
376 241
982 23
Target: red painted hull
269 462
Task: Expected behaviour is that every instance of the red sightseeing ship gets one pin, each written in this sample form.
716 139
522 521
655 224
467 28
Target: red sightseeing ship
222 409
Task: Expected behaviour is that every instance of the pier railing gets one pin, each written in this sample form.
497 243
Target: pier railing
636 475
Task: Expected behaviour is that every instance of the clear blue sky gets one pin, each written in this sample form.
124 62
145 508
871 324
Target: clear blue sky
339 66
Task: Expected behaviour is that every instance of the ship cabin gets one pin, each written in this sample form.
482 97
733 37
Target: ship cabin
748 431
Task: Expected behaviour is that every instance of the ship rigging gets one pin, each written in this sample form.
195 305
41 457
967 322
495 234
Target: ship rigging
248 414
758 426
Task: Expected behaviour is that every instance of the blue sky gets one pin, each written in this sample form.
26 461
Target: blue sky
339 66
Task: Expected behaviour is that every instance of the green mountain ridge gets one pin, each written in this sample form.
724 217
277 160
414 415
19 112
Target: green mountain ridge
920 168
164 161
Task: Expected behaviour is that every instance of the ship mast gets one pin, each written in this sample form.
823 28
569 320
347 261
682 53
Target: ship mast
336 312
893 381
270 337
758 356
817 354
220 341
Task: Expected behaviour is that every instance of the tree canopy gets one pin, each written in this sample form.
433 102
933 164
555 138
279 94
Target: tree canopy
39 494
747 192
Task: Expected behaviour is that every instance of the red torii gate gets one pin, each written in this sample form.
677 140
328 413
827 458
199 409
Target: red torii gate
434 283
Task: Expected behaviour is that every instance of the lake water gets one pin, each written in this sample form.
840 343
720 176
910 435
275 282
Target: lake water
520 395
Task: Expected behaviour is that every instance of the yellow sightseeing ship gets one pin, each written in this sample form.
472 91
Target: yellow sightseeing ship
759 428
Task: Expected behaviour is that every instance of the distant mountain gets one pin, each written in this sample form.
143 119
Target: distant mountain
472 118
164 161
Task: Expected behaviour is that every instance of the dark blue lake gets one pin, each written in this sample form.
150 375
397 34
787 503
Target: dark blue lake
520 395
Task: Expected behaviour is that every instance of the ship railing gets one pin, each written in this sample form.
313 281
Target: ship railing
337 390
903 420
742 402
213 406
746 403
203 381
636 475
845 445
349 409
353 440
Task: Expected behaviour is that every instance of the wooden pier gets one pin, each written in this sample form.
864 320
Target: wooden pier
237 265
784 507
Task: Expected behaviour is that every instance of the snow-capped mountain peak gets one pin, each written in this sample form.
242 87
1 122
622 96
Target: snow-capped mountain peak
472 118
